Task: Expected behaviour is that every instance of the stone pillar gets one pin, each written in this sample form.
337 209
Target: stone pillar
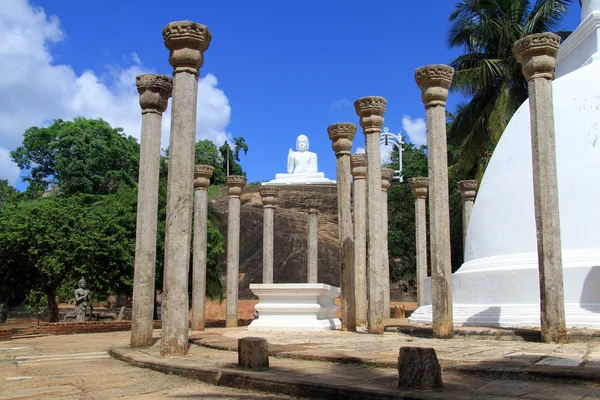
537 54
235 185
358 163
371 110
154 91
186 41
202 175
312 207
434 81
341 136
419 188
268 195
386 181
468 190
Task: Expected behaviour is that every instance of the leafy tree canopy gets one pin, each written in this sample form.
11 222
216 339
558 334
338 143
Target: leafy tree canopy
208 153
80 156
488 73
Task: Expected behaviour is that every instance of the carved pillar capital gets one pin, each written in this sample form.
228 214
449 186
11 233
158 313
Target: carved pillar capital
313 205
537 54
468 189
186 41
202 175
419 186
358 165
154 90
434 81
387 174
341 135
268 195
235 185
370 110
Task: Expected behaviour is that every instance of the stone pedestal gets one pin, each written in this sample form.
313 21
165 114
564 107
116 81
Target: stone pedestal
371 110
268 196
468 190
419 188
312 207
419 368
235 186
186 41
295 307
434 81
387 174
341 136
358 163
202 175
537 54
154 91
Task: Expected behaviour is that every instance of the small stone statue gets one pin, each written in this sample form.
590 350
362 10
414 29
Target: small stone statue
81 299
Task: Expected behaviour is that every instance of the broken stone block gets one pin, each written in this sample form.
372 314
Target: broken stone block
398 312
253 353
419 368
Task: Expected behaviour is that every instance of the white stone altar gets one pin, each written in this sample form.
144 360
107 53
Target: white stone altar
293 307
498 283
302 167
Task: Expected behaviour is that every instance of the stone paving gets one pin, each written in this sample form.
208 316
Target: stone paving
459 350
79 367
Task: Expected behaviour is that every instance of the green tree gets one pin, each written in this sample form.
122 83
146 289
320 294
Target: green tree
48 244
401 213
80 156
8 194
488 74
208 153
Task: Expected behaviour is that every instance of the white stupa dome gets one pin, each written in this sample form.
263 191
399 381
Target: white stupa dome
498 283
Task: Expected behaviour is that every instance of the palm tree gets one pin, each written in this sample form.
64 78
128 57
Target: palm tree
488 72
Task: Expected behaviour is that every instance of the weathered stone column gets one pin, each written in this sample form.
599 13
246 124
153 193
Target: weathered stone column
468 190
434 81
419 188
537 54
186 41
386 181
341 136
371 110
358 162
202 175
268 195
154 91
312 207
235 186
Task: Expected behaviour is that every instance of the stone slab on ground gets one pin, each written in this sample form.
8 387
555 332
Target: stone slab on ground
337 381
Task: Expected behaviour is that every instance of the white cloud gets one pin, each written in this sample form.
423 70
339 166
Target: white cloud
340 104
8 170
34 90
416 130
360 150
386 152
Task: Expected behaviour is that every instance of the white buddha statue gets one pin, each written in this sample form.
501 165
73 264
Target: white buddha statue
302 166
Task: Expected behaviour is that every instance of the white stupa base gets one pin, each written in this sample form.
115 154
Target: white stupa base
295 307
504 291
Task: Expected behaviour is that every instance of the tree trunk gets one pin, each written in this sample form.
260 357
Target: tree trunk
52 304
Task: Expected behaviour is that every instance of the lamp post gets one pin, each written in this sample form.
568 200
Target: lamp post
385 138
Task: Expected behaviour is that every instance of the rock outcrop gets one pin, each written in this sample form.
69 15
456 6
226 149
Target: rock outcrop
290 244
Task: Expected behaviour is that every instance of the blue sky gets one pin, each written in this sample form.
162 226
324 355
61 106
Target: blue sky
275 69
